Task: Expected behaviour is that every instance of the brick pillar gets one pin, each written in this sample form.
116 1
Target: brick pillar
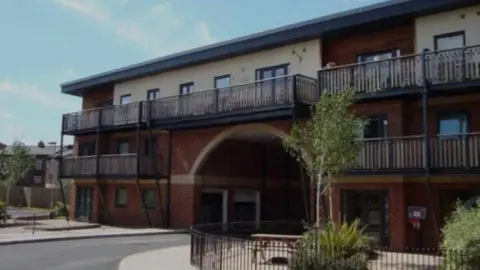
185 200
398 216
72 198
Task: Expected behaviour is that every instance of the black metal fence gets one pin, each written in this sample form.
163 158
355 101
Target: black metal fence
278 245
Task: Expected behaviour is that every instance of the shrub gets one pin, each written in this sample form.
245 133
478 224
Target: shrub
334 247
461 238
61 209
3 212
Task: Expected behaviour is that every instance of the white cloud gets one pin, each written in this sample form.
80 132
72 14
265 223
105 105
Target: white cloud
5 115
205 35
86 7
155 30
35 94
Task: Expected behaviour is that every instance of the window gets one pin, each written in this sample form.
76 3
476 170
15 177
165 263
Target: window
449 41
37 179
377 56
453 123
86 149
149 198
147 146
376 127
125 99
121 197
38 164
222 81
123 148
153 94
186 88
271 72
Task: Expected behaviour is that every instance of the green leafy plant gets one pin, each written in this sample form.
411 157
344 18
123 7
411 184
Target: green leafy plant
461 238
327 143
61 209
16 161
3 212
334 247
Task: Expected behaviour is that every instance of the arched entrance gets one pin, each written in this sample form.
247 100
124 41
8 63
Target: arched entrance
247 176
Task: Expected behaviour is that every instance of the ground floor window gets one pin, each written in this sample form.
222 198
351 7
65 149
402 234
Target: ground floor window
149 198
121 197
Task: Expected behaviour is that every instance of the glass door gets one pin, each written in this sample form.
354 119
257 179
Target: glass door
371 208
273 92
83 206
377 71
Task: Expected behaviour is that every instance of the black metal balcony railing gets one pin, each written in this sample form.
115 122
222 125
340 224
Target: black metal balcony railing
449 66
407 153
123 165
280 91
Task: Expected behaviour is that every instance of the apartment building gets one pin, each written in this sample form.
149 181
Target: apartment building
195 137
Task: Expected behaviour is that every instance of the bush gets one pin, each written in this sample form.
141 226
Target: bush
61 209
334 247
3 212
461 238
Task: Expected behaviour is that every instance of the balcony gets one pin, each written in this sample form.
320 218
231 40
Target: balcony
448 154
443 69
112 166
252 98
119 116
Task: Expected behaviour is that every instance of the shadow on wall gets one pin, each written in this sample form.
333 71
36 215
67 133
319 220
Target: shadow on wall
38 197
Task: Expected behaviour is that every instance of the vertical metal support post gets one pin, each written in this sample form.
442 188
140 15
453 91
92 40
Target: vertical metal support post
302 177
426 145
97 167
319 85
264 181
152 156
287 191
169 179
59 171
137 180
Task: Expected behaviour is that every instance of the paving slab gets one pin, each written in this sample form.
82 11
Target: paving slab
175 258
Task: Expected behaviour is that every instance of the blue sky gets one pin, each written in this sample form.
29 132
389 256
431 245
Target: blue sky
47 42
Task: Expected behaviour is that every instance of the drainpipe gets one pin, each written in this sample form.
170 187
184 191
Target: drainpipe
426 145
169 179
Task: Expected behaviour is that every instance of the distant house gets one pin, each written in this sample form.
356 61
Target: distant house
42 171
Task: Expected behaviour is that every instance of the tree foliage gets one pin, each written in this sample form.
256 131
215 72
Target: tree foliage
327 143
461 238
17 161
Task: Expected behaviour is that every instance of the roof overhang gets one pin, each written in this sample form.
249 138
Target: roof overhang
389 13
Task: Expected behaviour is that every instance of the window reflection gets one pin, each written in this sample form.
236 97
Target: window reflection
453 124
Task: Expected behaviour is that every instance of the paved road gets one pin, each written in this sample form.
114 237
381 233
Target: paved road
98 254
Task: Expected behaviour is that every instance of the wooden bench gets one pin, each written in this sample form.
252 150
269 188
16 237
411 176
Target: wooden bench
263 241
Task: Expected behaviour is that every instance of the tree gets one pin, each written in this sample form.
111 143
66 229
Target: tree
16 161
327 143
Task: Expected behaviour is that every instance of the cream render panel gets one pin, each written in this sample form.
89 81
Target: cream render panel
465 19
303 58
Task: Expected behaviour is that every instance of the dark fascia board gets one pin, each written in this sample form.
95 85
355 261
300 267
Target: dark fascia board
289 34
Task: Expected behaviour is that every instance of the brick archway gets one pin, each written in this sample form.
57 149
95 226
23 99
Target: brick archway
222 136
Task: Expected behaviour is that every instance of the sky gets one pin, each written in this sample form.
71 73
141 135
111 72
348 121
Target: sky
48 42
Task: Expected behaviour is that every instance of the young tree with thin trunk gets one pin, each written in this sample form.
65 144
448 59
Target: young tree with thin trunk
327 144
16 161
